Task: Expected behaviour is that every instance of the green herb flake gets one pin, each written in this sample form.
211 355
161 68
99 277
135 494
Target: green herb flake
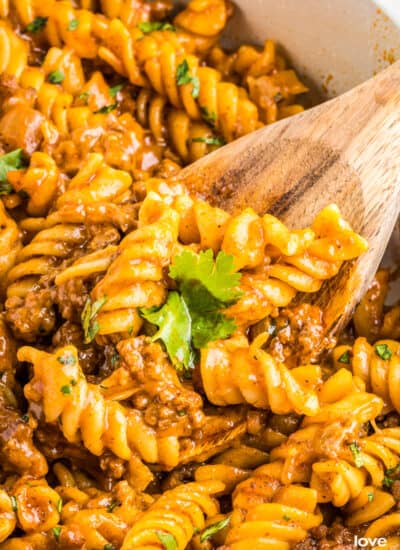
182 413
393 470
387 482
357 455
183 77
208 116
345 357
14 503
73 25
84 96
209 140
25 418
106 109
67 359
9 162
383 351
113 505
114 359
66 390
151 26
130 331
167 540
73 382
56 77
56 532
278 97
37 24
370 497
59 505
89 324
211 530
113 91
109 546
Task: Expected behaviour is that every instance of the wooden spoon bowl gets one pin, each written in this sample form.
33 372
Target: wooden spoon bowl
345 151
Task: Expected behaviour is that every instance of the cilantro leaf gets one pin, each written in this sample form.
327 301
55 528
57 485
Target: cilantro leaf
212 326
89 324
183 77
211 530
11 161
113 91
150 26
370 497
209 140
174 323
218 276
169 541
383 351
84 96
357 455
56 77
37 24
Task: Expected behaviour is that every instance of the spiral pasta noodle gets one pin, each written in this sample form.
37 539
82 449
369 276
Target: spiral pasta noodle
267 514
176 514
10 242
233 372
87 415
377 365
271 85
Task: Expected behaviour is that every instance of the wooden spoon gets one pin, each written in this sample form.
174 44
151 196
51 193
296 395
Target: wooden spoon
345 151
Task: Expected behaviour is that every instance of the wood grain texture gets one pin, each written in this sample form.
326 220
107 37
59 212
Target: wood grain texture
345 151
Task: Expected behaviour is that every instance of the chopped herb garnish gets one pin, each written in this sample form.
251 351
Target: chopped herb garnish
383 351
90 326
113 91
73 382
59 505
130 331
209 140
150 26
169 541
387 482
183 77
67 359
72 25
193 316
211 530
370 497
9 162
357 455
345 357
106 109
25 418
286 517
278 97
109 546
113 505
208 116
182 413
56 532
56 77
114 359
37 24
84 96
14 503
66 390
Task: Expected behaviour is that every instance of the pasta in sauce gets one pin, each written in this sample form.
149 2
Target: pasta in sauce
161 381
